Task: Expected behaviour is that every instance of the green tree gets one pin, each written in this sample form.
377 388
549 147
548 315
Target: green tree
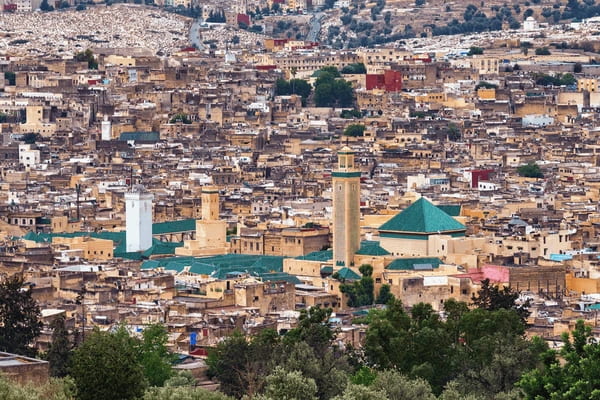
312 328
106 366
385 295
355 130
155 358
349 114
44 6
530 170
285 385
10 77
241 365
180 117
54 389
474 50
364 376
360 392
399 387
328 367
87 56
183 393
59 353
19 317
542 51
453 132
360 293
576 376
356 68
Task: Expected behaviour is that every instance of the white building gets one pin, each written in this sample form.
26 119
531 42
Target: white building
28 157
138 223
530 24
106 129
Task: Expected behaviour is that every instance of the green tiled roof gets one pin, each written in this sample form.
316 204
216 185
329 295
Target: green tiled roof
371 248
119 242
408 264
452 210
422 217
183 225
348 274
324 255
280 276
140 136
327 270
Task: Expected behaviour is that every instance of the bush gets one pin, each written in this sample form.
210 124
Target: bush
530 170
542 51
355 130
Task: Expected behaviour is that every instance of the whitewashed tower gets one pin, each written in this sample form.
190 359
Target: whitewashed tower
138 219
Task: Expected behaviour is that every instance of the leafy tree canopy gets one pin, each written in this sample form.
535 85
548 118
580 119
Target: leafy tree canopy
355 130
530 170
19 317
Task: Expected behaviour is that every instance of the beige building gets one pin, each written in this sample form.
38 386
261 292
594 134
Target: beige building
211 232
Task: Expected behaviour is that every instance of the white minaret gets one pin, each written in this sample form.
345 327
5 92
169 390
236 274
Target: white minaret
346 210
106 129
138 210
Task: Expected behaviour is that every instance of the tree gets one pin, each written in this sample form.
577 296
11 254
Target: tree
10 77
387 18
491 297
474 50
285 385
419 3
241 365
183 393
54 389
360 392
155 358
59 353
577 68
328 367
355 130
360 293
385 295
180 117
106 366
356 68
576 377
80 7
542 51
453 132
530 170
349 114
398 387
44 6
19 317
87 56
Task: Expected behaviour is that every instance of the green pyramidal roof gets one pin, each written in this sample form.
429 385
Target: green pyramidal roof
422 217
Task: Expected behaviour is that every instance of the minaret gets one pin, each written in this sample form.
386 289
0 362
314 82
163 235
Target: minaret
210 203
346 210
138 219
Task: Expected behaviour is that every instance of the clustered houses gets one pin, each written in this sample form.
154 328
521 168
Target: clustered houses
185 190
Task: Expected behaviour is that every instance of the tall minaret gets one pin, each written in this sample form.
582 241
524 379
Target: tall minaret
346 210
210 203
138 219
